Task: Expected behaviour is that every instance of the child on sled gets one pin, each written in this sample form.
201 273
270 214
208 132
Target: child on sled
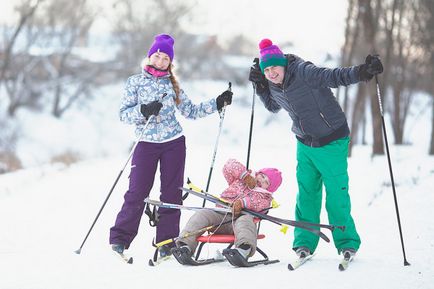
248 191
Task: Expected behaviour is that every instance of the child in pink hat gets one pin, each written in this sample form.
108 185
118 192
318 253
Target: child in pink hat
254 192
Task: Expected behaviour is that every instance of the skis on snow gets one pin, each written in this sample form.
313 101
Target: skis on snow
343 264
348 257
157 262
125 258
300 261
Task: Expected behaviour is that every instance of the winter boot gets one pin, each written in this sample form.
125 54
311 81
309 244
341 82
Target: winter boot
302 252
244 250
164 251
118 248
348 253
183 254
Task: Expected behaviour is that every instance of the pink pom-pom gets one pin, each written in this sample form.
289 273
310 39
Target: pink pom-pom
265 43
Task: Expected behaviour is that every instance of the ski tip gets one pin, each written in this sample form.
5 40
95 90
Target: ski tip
341 267
77 251
290 268
130 260
151 263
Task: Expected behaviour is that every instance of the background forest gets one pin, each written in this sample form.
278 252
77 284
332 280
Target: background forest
56 56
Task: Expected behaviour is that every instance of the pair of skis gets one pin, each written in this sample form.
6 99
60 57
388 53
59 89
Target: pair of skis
343 264
232 255
279 221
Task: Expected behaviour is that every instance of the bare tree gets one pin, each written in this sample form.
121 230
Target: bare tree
426 24
369 17
16 62
45 68
66 25
137 23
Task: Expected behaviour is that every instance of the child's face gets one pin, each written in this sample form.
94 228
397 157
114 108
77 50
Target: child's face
262 181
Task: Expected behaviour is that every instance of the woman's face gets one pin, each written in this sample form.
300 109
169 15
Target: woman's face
160 60
275 74
262 181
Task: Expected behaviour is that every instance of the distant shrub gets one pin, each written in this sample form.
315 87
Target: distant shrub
9 162
67 158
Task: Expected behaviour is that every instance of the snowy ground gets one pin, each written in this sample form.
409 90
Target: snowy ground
46 211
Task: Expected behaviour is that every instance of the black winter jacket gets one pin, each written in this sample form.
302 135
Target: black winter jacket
305 94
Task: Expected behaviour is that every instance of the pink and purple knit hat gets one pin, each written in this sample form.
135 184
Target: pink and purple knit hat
163 43
270 55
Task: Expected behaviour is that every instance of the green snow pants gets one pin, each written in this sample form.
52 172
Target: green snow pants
317 166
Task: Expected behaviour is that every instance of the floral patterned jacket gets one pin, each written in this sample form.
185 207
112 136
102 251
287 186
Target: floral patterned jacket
144 88
255 199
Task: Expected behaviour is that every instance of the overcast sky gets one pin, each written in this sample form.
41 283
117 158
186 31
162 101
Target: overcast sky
314 26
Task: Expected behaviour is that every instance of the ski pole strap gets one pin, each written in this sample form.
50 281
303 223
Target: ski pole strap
153 215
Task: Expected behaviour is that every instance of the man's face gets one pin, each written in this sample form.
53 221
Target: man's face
275 74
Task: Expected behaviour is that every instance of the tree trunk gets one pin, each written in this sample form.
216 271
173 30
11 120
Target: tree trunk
431 147
370 29
358 115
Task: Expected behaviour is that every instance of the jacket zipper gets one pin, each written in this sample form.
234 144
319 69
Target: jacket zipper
322 116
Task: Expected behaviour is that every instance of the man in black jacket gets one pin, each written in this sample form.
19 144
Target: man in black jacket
321 128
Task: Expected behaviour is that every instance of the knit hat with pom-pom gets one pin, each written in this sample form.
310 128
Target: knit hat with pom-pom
162 43
270 55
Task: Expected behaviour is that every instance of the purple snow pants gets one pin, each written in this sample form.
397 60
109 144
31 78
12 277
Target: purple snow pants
171 156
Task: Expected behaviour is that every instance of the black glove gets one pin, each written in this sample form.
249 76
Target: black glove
371 67
256 76
224 99
152 108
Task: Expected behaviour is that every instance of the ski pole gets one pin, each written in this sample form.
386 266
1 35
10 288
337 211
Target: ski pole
182 207
78 251
406 263
275 220
198 231
222 116
256 62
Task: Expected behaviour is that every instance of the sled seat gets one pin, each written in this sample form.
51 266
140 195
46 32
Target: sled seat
216 238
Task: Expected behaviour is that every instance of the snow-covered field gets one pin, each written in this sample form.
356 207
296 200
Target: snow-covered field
45 211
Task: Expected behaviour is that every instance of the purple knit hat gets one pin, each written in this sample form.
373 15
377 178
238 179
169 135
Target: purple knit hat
274 176
270 55
163 43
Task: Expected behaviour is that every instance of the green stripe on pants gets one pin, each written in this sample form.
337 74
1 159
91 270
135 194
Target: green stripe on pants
317 166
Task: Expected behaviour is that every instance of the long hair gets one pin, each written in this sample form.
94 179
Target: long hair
172 77
175 84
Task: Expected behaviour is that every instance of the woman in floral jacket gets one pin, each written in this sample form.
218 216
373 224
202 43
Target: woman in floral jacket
244 191
156 92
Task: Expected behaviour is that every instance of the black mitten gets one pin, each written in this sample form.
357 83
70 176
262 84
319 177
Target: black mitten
371 67
224 99
152 108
